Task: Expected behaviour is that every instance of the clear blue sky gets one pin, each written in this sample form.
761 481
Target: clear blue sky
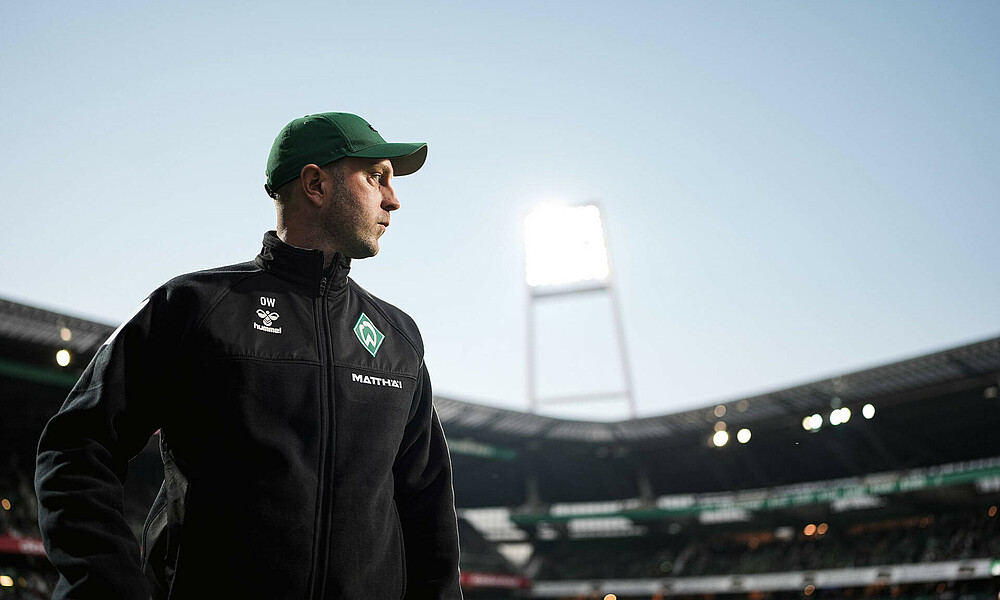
792 189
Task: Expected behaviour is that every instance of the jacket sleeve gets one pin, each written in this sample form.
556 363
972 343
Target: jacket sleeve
425 499
83 456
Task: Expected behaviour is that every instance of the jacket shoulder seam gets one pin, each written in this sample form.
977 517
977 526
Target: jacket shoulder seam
376 303
221 295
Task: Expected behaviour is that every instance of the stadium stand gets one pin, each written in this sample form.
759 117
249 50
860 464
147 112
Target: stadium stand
902 505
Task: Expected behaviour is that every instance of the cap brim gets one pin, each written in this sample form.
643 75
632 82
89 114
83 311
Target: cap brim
406 158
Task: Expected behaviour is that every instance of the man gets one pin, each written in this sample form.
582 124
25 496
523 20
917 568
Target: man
303 456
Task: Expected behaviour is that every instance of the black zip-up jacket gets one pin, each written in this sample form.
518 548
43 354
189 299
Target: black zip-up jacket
303 456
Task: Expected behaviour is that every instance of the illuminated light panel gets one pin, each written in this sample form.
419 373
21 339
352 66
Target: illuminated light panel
720 439
822 528
63 358
840 416
565 245
611 597
65 334
809 529
5 503
856 503
724 515
815 422
720 411
720 426
809 590
868 411
743 436
6 581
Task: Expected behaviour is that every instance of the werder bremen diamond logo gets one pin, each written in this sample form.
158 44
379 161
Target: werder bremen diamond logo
370 337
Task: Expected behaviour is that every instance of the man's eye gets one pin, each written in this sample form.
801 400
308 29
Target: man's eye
377 177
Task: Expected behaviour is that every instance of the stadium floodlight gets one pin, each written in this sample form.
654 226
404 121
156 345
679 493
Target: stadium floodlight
564 245
62 358
868 411
743 436
565 254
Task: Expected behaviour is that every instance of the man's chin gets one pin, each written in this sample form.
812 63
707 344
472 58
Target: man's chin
361 253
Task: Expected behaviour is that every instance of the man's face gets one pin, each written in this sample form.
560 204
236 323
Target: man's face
362 198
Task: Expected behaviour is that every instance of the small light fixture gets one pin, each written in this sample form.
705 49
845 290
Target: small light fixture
813 422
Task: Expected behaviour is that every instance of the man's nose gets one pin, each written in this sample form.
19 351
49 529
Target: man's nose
389 199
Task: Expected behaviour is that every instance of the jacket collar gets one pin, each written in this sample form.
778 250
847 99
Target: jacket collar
302 265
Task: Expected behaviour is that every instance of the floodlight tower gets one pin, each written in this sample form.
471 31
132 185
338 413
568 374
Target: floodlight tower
566 254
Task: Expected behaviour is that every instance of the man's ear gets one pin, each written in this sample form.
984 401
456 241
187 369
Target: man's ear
313 182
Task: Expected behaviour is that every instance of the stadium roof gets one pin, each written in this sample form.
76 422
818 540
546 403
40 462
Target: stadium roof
25 323
971 362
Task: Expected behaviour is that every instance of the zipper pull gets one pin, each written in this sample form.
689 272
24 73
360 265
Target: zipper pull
322 286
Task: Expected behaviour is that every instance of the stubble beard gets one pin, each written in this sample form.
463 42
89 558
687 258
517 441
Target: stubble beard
347 225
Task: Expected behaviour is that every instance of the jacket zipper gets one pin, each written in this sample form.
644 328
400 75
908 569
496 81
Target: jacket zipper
325 477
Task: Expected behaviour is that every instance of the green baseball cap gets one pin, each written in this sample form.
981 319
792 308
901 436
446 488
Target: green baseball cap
324 137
